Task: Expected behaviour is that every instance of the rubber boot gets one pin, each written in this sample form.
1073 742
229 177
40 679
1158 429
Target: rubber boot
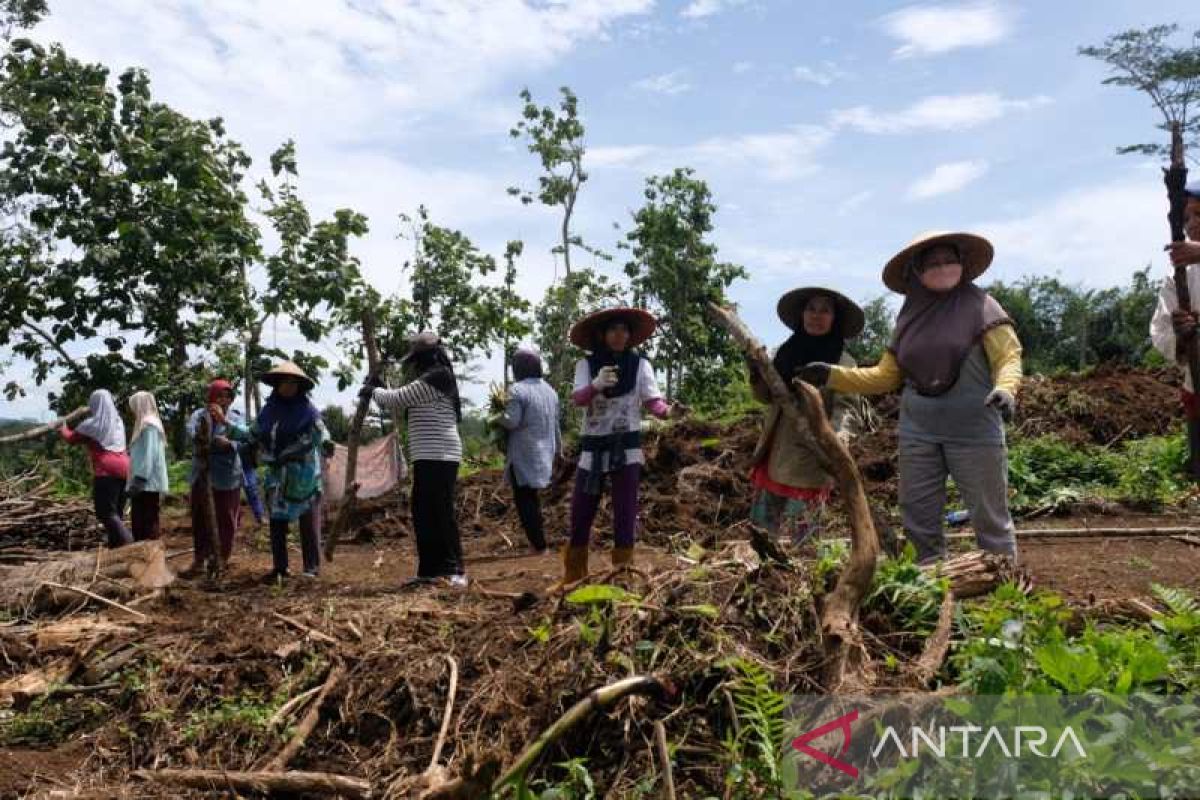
622 557
1193 432
575 565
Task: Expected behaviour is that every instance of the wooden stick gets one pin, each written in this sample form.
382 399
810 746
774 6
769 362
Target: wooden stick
1092 532
49 427
350 496
208 509
300 626
271 783
293 747
441 740
95 597
287 708
664 759
936 646
596 699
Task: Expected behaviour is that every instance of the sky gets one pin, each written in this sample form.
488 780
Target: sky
830 133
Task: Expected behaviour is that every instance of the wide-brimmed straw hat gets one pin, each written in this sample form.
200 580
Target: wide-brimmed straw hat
849 314
586 332
975 251
286 369
423 342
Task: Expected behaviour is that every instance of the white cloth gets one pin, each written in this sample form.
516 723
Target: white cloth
1162 333
607 415
145 413
104 426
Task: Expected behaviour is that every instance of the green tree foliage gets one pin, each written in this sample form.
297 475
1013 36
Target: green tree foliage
869 346
674 272
577 294
1169 75
139 217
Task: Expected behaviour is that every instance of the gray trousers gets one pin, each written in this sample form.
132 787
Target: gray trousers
981 474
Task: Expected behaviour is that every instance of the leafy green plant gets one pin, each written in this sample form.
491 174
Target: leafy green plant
759 746
831 555
906 593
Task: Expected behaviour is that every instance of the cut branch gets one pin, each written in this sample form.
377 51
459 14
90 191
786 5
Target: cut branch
50 427
271 783
307 724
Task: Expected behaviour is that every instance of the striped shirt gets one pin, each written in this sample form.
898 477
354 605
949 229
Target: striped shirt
432 422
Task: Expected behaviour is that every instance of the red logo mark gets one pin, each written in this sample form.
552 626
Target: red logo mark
842 723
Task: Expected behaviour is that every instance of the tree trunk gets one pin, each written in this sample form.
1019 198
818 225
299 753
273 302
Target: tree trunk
177 423
350 498
23 586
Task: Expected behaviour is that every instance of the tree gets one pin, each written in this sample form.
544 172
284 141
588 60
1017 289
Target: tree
674 272
1168 75
137 210
307 279
507 310
869 346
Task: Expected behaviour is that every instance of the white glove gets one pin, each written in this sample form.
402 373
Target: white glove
606 378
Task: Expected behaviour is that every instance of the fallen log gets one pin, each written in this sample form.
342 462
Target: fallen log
847 665
298 783
40 586
975 573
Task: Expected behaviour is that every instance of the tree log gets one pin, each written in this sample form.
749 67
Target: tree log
50 427
292 783
143 564
293 747
203 447
350 496
846 658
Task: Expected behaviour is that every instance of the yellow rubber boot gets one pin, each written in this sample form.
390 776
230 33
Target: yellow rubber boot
622 557
575 565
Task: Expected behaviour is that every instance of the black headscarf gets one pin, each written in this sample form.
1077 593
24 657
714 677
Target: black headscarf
434 367
802 348
627 362
526 365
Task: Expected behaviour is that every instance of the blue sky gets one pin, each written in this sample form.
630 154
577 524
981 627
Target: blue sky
830 132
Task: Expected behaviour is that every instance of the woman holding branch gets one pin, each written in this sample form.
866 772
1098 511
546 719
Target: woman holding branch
433 410
103 434
958 359
791 486
615 384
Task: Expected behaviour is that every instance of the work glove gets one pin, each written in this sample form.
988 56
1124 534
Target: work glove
138 485
678 411
1184 324
816 373
606 378
1003 401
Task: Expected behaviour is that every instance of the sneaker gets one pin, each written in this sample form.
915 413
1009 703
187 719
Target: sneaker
457 581
311 573
416 582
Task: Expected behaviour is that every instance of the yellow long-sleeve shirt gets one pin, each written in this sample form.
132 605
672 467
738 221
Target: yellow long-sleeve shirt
1000 344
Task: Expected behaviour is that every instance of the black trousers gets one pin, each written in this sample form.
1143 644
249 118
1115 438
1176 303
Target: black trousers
108 499
439 548
529 510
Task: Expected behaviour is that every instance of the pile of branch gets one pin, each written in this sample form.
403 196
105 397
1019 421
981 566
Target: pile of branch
978 572
101 576
32 519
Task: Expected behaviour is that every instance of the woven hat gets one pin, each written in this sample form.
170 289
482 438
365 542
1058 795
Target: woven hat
976 253
423 342
791 310
586 332
286 369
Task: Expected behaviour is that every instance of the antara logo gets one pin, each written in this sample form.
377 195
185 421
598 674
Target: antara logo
843 724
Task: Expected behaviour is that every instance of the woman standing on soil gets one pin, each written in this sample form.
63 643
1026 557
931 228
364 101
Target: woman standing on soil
103 434
614 383
290 436
534 440
433 409
224 475
148 476
957 356
791 486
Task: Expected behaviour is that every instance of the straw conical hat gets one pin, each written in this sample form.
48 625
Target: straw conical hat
585 332
976 253
791 310
286 369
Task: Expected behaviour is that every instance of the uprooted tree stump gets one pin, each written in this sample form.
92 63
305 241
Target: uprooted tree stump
52 585
847 664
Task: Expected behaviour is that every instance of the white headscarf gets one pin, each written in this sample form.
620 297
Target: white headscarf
104 426
145 414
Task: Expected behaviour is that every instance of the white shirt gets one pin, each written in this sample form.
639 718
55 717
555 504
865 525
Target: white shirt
607 415
1162 333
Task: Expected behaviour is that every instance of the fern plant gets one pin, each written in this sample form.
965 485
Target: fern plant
763 729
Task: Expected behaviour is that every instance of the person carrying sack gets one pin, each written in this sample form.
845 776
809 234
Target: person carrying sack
791 488
957 356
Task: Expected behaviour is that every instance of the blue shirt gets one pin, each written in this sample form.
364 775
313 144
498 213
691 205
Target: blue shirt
224 466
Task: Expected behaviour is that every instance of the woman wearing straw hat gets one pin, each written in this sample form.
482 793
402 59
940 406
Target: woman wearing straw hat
290 435
614 384
791 486
433 410
957 356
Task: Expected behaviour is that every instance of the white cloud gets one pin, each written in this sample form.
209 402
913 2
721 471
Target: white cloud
776 156
1068 233
925 30
854 202
947 178
742 67
823 75
698 9
668 83
935 113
